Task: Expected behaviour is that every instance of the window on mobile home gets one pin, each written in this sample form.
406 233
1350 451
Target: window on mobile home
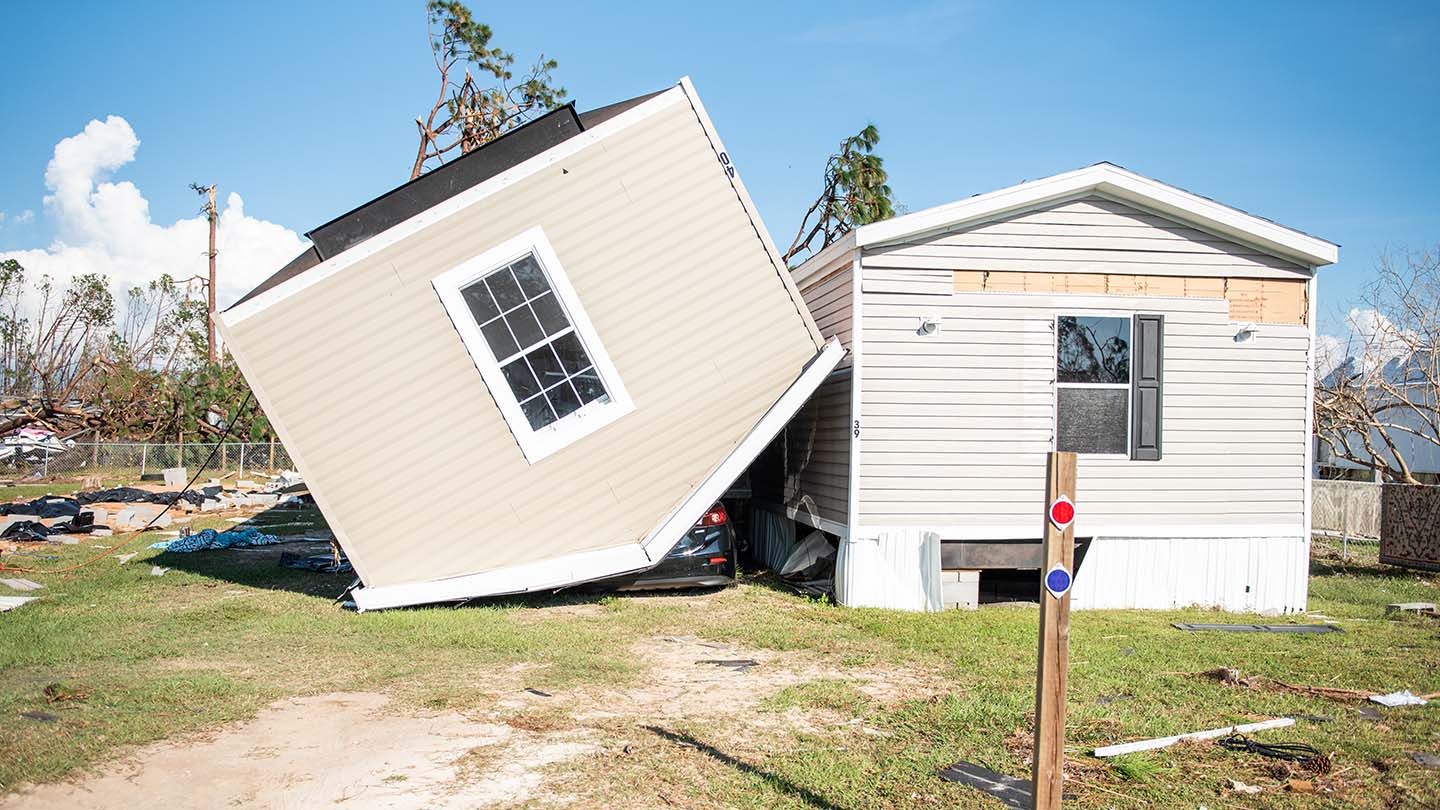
1092 384
532 342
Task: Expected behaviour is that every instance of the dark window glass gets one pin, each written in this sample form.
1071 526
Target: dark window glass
547 368
497 334
521 380
527 330
1092 350
538 412
1093 420
572 354
563 398
551 315
482 306
519 313
588 385
507 293
531 277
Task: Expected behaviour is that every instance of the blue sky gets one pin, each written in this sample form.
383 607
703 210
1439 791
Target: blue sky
1320 116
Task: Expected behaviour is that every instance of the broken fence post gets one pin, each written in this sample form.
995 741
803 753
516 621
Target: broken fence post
1208 734
1052 676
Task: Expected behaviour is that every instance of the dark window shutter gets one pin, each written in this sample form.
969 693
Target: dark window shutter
1145 387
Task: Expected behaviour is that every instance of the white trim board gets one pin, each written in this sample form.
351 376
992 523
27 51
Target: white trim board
465 199
665 535
816 522
1120 184
537 576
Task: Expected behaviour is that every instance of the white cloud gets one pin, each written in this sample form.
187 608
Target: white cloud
105 227
1372 340
24 217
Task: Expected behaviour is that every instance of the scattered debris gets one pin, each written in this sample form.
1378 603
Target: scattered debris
1013 792
1314 718
322 563
1426 760
11 602
1300 786
1209 734
60 693
209 539
43 717
1410 607
124 558
1106 700
1402 698
1306 756
1261 628
1240 787
21 584
157 571
736 664
1370 713
537 692
1230 676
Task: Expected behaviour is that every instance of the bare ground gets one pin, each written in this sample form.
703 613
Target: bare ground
513 747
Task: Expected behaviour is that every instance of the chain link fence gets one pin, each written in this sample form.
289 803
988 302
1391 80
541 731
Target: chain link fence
128 460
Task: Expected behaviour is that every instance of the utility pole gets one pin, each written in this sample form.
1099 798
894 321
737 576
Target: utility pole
210 309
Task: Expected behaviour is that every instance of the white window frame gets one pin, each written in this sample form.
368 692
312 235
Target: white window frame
1128 386
571 428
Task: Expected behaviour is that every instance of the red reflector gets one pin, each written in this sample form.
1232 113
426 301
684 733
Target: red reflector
714 517
716 560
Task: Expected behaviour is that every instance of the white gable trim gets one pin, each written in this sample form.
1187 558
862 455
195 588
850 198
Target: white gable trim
1119 184
465 199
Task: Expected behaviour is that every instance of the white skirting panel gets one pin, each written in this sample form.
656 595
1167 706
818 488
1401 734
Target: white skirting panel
1268 575
893 569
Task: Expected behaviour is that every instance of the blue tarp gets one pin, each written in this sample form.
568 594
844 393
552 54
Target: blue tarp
210 539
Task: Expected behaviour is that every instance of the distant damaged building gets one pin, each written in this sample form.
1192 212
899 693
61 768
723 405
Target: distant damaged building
581 329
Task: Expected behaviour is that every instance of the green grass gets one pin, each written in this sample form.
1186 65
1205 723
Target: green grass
143 658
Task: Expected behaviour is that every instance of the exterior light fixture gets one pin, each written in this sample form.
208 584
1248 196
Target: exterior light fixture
929 326
1245 333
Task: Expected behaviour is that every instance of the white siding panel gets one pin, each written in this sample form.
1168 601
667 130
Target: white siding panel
817 454
1246 574
957 426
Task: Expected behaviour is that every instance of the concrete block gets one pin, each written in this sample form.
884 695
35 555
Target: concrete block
101 516
265 499
176 477
211 505
964 593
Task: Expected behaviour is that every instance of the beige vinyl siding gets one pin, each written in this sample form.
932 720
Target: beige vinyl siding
957 426
372 385
1087 235
817 453
829 294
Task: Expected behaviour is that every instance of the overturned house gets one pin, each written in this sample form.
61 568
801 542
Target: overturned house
585 329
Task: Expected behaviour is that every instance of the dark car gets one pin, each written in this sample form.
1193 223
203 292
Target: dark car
704 558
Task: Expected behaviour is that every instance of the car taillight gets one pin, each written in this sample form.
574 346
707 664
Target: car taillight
714 517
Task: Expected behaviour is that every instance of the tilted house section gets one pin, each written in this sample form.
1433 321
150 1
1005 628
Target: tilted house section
540 369
1163 336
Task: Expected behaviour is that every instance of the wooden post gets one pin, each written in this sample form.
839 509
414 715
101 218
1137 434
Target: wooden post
272 454
210 310
1052 675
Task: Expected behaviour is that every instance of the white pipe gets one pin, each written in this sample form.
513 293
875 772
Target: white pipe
1166 742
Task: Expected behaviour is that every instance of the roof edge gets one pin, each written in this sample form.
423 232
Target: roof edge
675 94
1123 185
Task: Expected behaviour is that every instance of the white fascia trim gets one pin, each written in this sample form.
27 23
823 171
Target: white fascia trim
544 575
817 522
534 444
1200 531
857 398
664 536
465 199
751 211
820 260
1122 185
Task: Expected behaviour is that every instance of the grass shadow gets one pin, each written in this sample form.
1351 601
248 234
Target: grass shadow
776 781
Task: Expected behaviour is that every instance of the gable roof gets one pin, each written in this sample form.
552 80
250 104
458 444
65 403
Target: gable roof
1109 180
445 181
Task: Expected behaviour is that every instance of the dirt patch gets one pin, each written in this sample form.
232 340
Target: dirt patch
358 750
339 749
